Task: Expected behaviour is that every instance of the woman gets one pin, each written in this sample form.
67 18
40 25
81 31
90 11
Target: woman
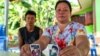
72 36
29 33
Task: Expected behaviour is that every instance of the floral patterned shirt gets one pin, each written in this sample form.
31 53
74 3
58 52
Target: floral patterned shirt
70 32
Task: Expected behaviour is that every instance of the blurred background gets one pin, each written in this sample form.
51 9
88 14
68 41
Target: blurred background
12 13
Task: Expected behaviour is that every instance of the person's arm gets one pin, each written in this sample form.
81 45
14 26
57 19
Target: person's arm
43 42
40 32
82 44
20 40
81 47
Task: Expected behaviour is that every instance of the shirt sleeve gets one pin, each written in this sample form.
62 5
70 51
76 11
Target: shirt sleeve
80 30
47 32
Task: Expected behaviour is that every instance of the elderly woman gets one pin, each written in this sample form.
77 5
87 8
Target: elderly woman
69 36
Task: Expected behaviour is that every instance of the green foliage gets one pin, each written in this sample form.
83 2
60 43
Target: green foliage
1 12
44 10
26 4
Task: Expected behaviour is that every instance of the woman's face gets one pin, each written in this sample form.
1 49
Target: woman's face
63 13
30 19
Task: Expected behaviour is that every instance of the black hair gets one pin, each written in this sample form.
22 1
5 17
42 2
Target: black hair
64 1
72 17
55 47
75 16
30 12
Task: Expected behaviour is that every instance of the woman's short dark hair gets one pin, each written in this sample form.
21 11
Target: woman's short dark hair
64 1
30 12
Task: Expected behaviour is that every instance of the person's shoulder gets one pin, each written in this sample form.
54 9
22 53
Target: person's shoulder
22 28
51 27
77 24
37 27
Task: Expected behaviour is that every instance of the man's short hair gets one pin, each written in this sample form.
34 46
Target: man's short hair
31 12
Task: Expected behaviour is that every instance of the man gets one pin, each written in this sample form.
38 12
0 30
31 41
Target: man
29 33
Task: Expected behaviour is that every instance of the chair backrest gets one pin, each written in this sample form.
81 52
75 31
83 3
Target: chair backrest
3 44
2 30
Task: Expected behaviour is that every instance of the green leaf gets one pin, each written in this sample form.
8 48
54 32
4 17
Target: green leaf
26 4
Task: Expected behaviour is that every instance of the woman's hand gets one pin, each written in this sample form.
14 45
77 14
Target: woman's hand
70 51
25 50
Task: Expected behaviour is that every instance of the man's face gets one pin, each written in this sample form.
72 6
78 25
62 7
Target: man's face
30 19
